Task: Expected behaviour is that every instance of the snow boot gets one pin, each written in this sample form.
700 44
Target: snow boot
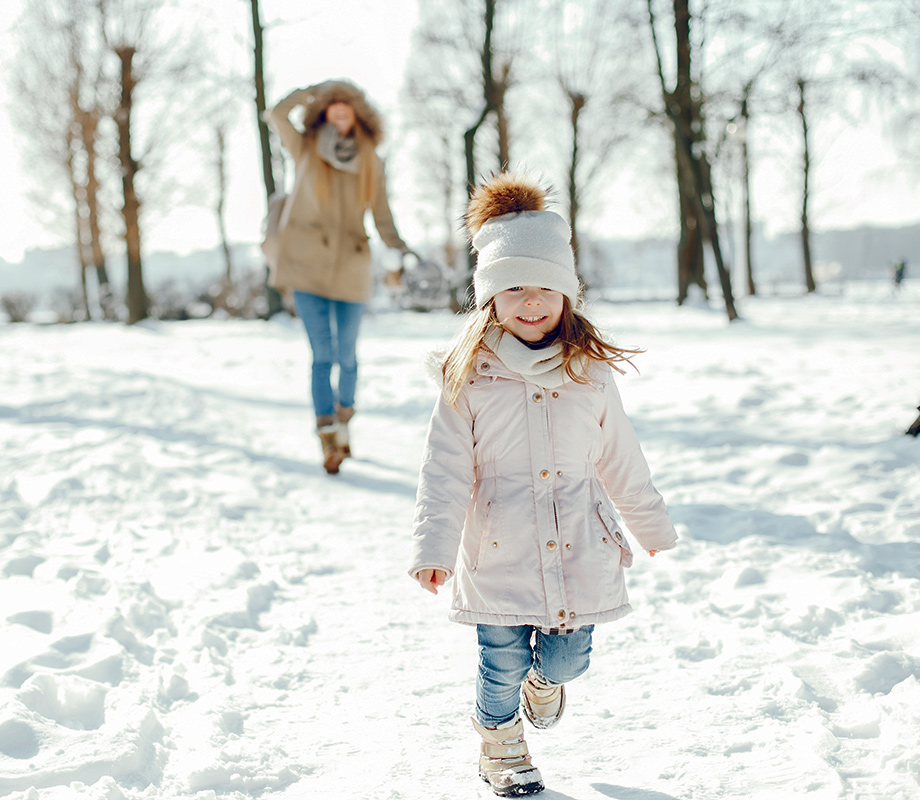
504 761
543 702
333 454
344 416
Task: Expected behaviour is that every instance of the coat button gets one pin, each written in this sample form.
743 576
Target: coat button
550 545
555 394
571 615
561 613
494 544
559 472
545 474
618 536
537 397
568 545
486 367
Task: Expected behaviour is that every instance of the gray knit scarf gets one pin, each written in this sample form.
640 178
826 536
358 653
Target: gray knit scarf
338 151
542 367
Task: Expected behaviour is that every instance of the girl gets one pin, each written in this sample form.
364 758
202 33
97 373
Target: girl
320 250
527 446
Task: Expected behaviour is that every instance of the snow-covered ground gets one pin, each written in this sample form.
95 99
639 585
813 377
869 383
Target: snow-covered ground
190 607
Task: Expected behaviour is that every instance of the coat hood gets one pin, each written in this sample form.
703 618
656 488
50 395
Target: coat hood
322 95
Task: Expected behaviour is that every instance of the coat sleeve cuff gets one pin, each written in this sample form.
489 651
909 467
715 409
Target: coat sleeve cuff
414 571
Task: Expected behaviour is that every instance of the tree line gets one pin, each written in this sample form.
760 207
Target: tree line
108 88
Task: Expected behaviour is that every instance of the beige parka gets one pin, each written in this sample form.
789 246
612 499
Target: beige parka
322 248
514 500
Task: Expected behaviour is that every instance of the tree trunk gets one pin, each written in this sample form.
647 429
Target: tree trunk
690 260
806 173
136 299
221 202
272 297
89 127
746 190
577 102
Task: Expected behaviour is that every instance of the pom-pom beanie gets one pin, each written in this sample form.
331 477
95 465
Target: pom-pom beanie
517 242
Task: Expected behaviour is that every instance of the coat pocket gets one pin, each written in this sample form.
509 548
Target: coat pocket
483 512
613 536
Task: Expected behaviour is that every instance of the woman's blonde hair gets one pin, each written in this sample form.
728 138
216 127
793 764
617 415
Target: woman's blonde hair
581 344
368 169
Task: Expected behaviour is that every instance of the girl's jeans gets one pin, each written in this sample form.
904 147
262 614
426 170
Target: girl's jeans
332 328
507 653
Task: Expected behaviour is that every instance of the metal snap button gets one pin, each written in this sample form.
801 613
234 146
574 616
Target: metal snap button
545 474
561 613
537 397
550 545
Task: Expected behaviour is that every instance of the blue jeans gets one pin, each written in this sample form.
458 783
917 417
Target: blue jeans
332 328
507 653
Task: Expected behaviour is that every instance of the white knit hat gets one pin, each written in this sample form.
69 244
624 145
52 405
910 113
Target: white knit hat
527 247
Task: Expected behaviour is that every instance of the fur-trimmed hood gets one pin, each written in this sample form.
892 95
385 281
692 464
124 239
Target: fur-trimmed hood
322 95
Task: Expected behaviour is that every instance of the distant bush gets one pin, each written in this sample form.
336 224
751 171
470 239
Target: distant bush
17 305
242 298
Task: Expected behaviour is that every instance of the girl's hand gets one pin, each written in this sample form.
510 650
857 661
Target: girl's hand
431 579
652 553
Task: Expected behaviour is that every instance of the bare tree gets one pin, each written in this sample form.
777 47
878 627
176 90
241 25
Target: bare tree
60 94
458 82
600 88
683 109
157 70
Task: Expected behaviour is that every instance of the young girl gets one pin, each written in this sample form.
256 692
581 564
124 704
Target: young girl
527 446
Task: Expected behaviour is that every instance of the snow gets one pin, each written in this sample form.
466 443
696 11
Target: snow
191 608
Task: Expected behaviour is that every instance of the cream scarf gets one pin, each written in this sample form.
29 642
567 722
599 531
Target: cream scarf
542 367
338 151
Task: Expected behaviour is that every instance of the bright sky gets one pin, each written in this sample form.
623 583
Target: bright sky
860 179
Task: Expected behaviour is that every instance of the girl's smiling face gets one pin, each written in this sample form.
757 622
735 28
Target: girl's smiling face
529 312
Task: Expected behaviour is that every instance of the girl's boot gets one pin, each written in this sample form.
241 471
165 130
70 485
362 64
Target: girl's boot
344 416
543 702
504 761
333 454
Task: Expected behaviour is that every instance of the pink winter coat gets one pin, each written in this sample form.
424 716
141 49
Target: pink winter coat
514 500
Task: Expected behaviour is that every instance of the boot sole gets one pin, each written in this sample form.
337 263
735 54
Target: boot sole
515 791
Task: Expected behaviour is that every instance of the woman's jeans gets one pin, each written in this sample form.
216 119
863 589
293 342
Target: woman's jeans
507 653
332 328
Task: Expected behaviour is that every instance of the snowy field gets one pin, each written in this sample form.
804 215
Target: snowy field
191 608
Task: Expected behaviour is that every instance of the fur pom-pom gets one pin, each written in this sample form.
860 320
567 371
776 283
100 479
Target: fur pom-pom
503 194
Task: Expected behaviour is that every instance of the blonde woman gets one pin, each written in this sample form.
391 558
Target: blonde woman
321 253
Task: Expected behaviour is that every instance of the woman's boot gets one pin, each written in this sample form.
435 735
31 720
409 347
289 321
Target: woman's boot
344 416
333 454
504 761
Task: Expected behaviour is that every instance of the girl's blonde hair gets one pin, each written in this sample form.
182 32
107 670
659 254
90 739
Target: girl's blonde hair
581 344
368 169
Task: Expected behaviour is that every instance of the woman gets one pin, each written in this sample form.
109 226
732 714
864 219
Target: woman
321 252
